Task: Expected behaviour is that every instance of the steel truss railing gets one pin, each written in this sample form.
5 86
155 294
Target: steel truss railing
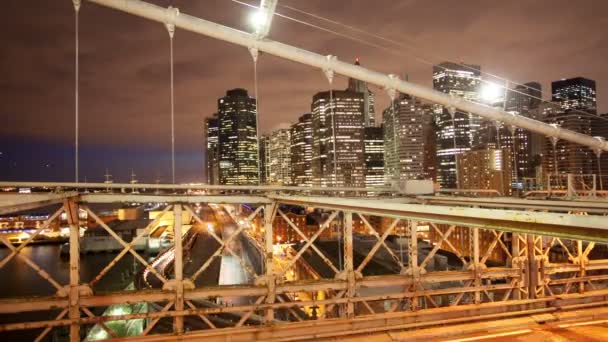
500 272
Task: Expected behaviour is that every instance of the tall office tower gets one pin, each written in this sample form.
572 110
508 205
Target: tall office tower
301 151
486 170
264 159
575 94
374 157
369 111
280 157
344 117
238 148
578 107
522 100
211 149
404 140
458 133
568 157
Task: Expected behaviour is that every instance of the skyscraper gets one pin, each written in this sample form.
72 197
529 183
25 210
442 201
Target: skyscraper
280 157
338 159
211 134
301 151
369 99
568 157
404 139
578 107
525 146
374 157
238 146
264 158
575 94
458 133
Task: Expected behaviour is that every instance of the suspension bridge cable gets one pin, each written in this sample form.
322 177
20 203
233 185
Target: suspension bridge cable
411 55
76 4
415 46
170 25
172 115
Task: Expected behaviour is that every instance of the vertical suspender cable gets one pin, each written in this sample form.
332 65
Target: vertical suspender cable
254 55
172 14
599 170
76 86
172 114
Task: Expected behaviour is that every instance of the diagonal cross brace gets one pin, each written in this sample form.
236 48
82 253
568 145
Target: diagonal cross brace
375 233
325 259
150 226
125 245
377 245
33 265
309 243
223 246
31 238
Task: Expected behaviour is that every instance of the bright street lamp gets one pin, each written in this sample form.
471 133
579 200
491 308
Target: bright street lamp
491 93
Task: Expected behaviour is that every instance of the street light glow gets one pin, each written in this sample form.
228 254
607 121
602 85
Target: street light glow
491 92
258 20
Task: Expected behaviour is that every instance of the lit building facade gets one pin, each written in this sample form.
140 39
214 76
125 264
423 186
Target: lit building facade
374 156
264 158
280 157
301 151
575 94
578 107
237 139
344 117
523 145
488 169
568 157
404 139
458 133
211 135
369 100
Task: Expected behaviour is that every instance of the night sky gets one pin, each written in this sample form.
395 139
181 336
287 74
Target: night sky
124 63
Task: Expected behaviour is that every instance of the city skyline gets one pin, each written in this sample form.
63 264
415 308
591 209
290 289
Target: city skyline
143 110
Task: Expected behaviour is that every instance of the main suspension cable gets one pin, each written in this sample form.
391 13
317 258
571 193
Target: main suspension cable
413 46
410 54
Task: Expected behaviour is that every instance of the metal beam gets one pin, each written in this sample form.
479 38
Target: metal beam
174 187
211 29
139 198
584 227
599 206
12 202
